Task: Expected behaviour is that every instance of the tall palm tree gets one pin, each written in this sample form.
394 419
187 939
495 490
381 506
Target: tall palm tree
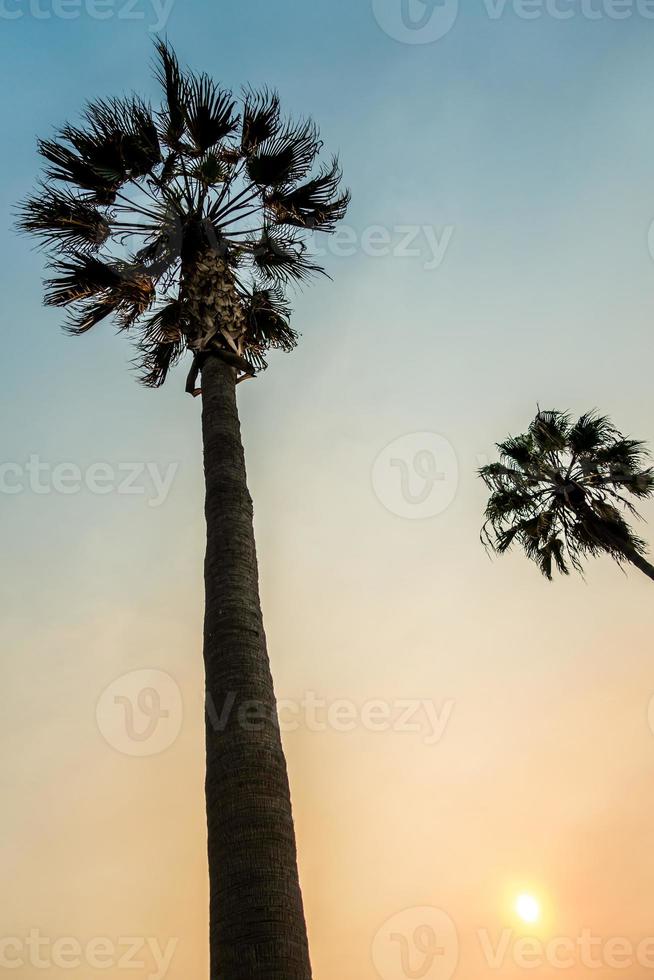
187 225
562 489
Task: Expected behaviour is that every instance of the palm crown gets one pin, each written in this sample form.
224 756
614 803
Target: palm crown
561 491
187 223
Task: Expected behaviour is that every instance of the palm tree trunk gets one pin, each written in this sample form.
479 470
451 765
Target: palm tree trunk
641 563
257 927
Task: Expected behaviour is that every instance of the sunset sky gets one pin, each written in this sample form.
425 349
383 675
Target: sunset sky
513 159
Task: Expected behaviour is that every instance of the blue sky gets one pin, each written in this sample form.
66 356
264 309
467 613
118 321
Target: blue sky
527 147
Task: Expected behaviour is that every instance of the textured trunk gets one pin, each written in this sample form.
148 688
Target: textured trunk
641 563
257 927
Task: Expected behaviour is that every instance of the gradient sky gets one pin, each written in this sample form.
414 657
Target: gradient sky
530 144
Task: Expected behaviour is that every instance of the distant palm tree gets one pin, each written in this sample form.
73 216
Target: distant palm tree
186 224
561 490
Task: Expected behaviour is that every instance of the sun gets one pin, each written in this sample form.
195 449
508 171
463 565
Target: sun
528 908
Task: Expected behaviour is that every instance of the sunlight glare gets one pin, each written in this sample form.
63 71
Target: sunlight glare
528 908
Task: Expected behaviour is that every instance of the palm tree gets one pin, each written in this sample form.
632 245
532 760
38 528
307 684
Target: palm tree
562 489
187 225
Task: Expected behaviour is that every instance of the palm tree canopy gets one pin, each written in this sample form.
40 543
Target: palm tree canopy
562 491
135 200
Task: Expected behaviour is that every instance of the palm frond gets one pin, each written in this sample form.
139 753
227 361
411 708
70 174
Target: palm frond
156 363
118 142
285 158
550 431
641 484
88 313
80 277
590 433
557 548
623 457
210 170
160 253
505 537
63 219
97 289
607 526
268 327
316 205
209 112
496 475
169 76
130 124
261 116
70 167
162 343
280 259
518 449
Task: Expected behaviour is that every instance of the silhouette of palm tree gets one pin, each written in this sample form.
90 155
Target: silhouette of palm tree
561 491
187 225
